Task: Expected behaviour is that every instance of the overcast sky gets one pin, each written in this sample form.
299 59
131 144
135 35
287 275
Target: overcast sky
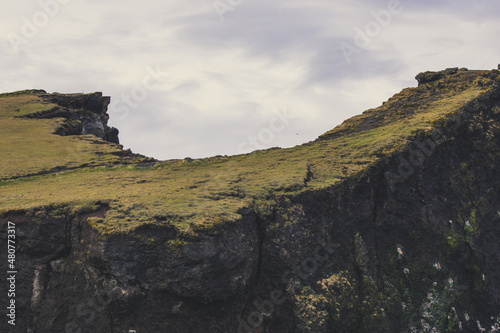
202 77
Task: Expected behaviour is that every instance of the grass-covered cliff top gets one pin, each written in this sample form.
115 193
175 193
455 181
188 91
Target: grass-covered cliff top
80 173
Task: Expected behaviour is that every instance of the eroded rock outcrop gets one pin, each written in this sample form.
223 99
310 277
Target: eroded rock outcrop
84 114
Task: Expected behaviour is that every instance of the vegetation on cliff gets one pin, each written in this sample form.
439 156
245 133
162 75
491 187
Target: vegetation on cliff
40 168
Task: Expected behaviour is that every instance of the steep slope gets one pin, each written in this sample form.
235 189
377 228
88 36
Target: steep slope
388 223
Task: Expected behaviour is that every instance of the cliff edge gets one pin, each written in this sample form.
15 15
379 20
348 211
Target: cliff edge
390 222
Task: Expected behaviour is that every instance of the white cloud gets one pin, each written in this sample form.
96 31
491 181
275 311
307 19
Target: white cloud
226 77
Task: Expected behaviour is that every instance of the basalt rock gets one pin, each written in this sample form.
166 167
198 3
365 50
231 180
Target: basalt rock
84 114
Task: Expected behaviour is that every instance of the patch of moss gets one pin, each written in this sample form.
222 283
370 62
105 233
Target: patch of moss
454 240
310 310
177 243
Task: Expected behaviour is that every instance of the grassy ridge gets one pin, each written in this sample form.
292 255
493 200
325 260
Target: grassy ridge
200 194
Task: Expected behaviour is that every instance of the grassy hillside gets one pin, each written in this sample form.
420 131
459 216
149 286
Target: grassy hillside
29 146
200 194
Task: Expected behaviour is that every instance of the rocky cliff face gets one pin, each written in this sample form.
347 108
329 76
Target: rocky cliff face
83 114
416 252
407 243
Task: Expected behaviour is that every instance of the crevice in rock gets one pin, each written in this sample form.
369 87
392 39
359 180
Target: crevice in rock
261 235
377 201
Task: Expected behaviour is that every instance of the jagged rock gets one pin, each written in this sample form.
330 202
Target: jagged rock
112 135
95 127
95 102
427 77
84 114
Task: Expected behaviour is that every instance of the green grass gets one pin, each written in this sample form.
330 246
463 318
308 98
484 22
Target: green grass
202 194
19 104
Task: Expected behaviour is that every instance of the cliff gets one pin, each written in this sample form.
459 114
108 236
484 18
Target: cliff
388 223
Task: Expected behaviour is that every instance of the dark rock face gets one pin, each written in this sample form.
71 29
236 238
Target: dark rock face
93 102
418 241
85 114
71 281
427 77
112 135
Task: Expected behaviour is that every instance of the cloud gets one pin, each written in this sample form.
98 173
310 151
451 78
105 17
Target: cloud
225 77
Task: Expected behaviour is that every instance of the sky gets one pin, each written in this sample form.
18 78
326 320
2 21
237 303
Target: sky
198 78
